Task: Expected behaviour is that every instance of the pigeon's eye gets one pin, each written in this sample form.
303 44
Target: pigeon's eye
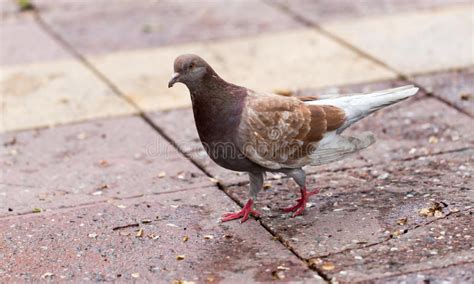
191 66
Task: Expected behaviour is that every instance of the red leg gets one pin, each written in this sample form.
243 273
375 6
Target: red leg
244 213
301 205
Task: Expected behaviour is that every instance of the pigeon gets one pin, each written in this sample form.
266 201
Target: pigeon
255 132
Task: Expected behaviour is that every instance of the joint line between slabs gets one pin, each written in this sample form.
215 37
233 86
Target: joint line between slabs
117 91
457 69
278 237
82 59
421 270
402 76
444 101
391 237
311 24
145 117
111 85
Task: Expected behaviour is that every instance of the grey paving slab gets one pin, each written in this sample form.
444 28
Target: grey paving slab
170 237
363 207
444 243
414 42
90 162
52 93
92 27
456 87
413 128
24 41
330 10
7 7
42 84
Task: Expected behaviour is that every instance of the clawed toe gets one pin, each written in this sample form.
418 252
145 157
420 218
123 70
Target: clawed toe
301 205
292 208
244 213
231 216
299 211
247 210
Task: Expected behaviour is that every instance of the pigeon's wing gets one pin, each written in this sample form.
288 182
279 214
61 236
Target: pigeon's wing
281 132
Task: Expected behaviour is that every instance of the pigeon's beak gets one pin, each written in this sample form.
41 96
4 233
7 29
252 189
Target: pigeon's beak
173 80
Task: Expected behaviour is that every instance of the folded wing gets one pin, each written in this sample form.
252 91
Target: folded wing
282 132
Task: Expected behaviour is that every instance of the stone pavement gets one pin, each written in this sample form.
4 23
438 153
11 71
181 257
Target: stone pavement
103 177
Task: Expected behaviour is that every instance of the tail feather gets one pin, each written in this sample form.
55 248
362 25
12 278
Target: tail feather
338 147
358 106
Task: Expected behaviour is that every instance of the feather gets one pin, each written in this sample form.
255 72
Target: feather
337 147
358 106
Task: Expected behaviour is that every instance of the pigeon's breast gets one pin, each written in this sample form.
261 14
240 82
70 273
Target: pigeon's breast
217 137
217 123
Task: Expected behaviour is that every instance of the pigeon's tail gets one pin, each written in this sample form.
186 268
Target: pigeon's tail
358 106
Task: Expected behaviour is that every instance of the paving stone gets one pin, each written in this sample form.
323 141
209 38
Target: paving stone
47 94
456 87
254 62
7 7
414 42
462 273
93 243
333 10
408 130
19 32
90 162
92 27
442 243
258 62
147 73
361 207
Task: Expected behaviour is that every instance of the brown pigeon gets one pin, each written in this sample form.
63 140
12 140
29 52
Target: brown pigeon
247 131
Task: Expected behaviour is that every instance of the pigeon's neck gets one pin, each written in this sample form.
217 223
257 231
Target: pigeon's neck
209 82
217 107
217 95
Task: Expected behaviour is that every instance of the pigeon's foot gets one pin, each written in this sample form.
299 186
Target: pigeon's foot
244 213
301 205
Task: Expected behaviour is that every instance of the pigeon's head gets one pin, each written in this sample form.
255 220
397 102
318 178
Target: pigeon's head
189 69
